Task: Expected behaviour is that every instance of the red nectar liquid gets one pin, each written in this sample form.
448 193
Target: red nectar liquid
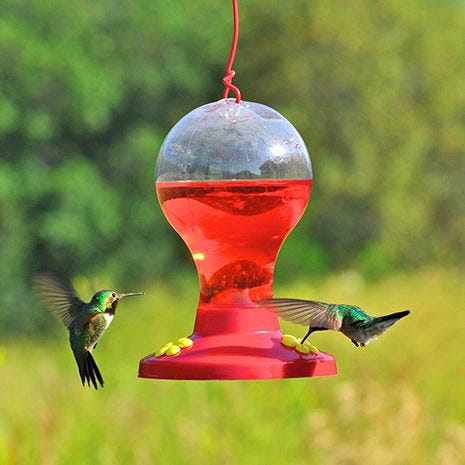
234 230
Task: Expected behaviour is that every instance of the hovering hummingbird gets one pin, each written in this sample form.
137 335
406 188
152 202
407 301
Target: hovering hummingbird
86 322
350 320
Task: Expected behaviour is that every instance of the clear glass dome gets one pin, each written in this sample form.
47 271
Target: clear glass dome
226 140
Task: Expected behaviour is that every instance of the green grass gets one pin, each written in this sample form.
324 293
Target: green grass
399 401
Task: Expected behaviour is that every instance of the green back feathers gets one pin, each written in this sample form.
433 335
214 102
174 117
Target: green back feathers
354 312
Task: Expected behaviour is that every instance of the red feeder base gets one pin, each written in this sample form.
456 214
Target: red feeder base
228 345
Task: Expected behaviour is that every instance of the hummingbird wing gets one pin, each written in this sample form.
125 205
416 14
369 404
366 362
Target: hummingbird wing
305 312
60 300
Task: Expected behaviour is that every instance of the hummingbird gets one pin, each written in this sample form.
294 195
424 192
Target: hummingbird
86 322
350 320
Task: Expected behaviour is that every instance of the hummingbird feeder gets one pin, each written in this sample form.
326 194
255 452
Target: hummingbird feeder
233 178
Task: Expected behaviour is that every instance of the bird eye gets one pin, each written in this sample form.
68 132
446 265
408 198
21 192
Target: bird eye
114 294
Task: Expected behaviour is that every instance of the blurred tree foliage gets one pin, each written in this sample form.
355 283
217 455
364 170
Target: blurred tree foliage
88 90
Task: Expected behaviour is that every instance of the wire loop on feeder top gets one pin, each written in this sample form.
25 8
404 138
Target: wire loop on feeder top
230 73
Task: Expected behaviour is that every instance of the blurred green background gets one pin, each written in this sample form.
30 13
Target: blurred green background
88 90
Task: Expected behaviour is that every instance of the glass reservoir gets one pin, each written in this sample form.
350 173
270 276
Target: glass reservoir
234 230
233 180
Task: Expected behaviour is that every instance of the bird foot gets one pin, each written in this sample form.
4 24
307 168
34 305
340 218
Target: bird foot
292 342
358 344
171 349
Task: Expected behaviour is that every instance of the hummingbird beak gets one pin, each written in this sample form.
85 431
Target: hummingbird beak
129 294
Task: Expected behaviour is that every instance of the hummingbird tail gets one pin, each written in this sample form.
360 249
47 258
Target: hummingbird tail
392 317
382 323
88 370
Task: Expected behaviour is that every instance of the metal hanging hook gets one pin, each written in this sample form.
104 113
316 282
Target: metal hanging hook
230 73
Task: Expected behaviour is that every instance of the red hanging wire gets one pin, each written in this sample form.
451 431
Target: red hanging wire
230 73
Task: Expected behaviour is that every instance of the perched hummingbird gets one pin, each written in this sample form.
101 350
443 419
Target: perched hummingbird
86 322
350 320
